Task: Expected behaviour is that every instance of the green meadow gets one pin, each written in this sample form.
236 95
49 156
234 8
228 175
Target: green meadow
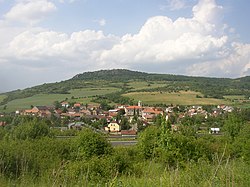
2 97
179 98
137 85
86 92
234 97
83 95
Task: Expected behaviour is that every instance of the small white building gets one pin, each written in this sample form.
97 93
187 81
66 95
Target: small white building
214 130
113 127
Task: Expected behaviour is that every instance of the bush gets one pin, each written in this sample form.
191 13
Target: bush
31 130
91 144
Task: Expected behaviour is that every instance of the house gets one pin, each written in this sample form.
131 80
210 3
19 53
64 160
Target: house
133 110
2 123
65 104
58 111
113 127
169 109
71 111
214 130
42 111
85 112
93 106
114 112
150 113
77 105
228 109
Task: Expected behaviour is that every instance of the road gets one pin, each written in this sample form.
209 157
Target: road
123 143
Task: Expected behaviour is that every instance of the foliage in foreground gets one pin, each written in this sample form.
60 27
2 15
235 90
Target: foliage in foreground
161 157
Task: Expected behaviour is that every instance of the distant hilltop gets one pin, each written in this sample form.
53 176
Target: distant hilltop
123 79
125 74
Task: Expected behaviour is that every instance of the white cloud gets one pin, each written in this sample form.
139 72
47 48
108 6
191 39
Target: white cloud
236 64
102 22
207 11
176 4
77 49
196 46
67 1
30 12
162 40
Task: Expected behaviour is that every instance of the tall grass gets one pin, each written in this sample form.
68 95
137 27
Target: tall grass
148 174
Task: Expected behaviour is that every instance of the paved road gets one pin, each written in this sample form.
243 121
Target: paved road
112 141
123 143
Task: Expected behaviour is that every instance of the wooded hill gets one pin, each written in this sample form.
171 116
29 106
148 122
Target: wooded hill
121 78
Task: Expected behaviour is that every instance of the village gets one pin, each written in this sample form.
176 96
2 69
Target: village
124 120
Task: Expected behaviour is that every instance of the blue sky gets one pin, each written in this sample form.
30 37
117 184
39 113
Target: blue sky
52 40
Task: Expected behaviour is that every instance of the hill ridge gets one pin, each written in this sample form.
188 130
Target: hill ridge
120 78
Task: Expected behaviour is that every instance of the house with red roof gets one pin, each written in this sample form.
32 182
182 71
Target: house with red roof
133 110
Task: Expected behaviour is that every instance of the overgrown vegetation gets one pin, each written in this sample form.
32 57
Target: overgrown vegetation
31 155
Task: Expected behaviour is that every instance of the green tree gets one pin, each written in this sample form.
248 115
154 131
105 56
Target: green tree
232 125
124 123
31 130
119 115
148 141
91 144
57 104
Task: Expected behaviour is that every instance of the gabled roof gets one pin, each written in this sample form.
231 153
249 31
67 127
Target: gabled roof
149 110
64 103
42 107
133 107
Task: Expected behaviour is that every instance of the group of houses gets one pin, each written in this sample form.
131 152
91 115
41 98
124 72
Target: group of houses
94 111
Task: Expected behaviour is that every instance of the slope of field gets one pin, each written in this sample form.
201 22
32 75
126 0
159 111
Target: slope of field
86 92
2 98
145 86
180 98
48 99
138 85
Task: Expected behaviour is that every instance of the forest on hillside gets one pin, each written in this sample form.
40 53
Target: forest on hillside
119 78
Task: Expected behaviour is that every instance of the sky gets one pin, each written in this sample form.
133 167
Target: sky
45 41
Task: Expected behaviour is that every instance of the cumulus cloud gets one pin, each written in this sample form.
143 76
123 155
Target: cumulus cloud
162 40
39 47
175 4
236 64
199 45
30 11
207 11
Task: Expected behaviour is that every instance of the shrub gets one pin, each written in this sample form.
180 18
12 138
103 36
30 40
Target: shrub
90 144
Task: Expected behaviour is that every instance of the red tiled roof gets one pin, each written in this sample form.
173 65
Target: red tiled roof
149 110
134 107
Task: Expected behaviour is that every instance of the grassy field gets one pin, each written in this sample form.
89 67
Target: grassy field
238 100
234 97
40 99
180 98
145 85
81 95
86 92
2 97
